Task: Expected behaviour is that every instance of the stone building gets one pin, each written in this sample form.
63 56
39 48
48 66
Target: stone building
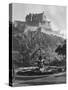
38 19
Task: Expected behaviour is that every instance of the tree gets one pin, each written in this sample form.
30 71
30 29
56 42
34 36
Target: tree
61 50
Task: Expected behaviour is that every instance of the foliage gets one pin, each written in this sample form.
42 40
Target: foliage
61 50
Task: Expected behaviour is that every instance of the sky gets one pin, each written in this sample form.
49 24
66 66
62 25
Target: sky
56 14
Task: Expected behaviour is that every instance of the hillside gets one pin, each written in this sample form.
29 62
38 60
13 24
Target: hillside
37 35
30 41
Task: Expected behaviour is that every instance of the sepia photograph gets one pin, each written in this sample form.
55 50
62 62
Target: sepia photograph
38 36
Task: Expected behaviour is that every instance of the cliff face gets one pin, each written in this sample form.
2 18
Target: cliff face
29 39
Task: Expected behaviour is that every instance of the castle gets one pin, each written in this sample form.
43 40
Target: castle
34 18
37 19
